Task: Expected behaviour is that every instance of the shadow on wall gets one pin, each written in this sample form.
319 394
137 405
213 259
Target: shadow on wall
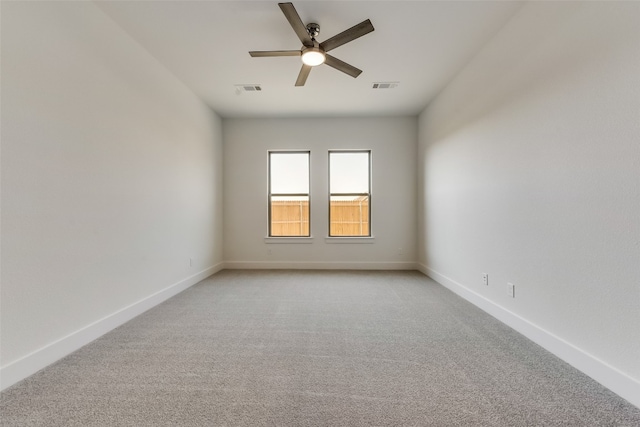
520 66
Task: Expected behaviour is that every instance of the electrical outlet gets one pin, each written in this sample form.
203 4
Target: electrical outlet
485 279
190 262
399 251
511 290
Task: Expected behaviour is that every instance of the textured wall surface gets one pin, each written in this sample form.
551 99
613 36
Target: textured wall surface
530 171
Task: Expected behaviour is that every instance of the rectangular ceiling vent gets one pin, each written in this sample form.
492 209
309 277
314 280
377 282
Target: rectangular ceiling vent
248 88
385 85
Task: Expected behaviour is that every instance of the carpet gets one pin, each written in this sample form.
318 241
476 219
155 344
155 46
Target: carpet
313 348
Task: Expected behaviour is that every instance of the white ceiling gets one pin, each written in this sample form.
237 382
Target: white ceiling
420 44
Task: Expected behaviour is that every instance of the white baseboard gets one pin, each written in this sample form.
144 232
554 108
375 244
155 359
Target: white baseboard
610 377
313 265
43 357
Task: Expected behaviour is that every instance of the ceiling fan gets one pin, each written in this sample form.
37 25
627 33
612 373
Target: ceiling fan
312 52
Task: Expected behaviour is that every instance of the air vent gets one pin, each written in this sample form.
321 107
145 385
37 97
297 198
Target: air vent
248 88
385 85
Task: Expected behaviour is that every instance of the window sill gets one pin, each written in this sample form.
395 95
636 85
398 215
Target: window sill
358 240
270 240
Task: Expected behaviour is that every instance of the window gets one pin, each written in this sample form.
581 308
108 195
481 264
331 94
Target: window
289 193
349 193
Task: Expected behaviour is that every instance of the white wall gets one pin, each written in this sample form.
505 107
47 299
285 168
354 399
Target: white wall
529 166
393 142
111 182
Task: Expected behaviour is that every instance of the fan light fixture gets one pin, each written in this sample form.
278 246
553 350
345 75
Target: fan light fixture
313 56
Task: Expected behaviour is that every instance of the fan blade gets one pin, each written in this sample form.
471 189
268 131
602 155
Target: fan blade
265 53
304 73
365 27
339 65
296 23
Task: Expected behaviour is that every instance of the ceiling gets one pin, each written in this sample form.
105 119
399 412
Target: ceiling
419 44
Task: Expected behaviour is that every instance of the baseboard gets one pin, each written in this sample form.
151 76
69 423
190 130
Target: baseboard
313 265
43 357
610 377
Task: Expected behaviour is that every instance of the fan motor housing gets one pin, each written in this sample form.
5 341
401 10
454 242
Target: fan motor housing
313 29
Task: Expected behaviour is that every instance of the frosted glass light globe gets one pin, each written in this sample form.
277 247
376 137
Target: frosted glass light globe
313 56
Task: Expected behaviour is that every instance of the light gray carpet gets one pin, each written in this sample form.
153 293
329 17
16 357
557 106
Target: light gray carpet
311 348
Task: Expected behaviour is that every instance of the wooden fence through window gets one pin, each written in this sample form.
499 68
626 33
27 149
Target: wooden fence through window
290 218
348 217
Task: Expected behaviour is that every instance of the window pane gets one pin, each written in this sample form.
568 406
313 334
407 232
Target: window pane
289 216
289 173
350 195
289 181
349 172
349 216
